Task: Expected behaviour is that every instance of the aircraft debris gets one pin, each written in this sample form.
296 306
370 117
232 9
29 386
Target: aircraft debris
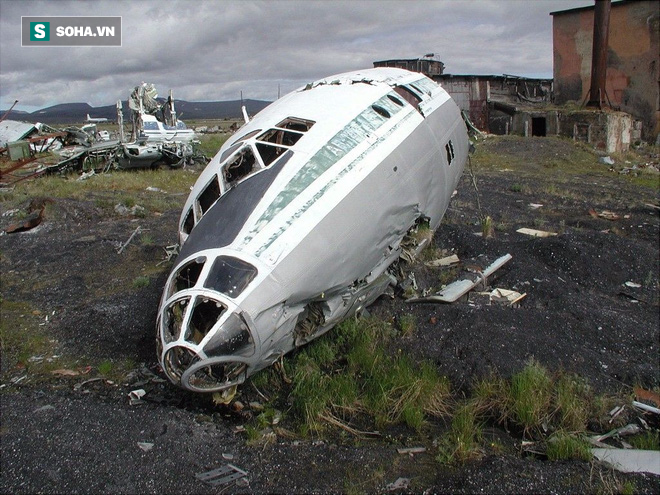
65 372
615 412
633 285
411 450
222 475
157 137
79 386
631 429
33 219
298 221
145 446
606 214
646 407
135 396
507 296
446 261
629 460
535 206
399 484
41 409
135 232
455 290
535 233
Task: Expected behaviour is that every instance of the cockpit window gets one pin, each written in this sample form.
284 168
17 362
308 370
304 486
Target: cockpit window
246 136
230 276
280 136
209 196
426 84
240 166
269 153
229 151
409 95
187 275
296 124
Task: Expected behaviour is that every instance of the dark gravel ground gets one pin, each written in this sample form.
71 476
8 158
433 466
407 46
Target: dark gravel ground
59 436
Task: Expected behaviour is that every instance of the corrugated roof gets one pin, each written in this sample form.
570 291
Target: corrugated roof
13 130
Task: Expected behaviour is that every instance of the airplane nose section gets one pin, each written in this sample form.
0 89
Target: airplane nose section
203 346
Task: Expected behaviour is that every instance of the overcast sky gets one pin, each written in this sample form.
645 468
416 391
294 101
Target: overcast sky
214 49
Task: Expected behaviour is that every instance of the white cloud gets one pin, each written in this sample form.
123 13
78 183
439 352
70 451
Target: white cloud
212 50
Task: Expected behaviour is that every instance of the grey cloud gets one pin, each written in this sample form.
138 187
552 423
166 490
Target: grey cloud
211 50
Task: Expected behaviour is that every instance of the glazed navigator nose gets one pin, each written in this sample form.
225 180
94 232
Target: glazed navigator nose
204 346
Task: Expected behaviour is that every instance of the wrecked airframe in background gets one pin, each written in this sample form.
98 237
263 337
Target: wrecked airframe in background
157 137
297 222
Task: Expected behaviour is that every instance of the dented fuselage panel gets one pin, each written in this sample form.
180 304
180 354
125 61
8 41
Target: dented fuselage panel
294 223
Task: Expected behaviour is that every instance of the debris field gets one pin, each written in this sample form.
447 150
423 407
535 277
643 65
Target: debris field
585 300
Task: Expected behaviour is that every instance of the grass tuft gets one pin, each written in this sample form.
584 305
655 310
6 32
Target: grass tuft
351 375
529 397
649 440
462 442
563 446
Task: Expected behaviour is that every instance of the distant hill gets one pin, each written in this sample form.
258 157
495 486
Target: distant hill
72 113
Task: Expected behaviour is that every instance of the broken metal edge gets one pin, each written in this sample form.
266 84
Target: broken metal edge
456 289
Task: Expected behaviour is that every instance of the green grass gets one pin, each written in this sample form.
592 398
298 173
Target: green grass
563 446
529 397
408 324
21 337
649 440
141 282
462 441
211 143
556 164
106 190
349 376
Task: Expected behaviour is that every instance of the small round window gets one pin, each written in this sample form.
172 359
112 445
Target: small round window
381 111
395 100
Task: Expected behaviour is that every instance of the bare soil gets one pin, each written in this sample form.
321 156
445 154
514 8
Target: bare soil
62 435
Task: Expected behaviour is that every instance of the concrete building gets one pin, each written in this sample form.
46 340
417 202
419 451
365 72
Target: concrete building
633 60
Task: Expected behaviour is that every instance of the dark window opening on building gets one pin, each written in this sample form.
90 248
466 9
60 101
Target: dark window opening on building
538 126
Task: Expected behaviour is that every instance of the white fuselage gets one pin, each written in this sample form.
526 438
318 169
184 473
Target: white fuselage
155 131
293 224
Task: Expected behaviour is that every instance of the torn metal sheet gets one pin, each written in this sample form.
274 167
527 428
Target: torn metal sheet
446 261
646 407
455 290
630 460
14 130
535 233
222 475
506 296
295 223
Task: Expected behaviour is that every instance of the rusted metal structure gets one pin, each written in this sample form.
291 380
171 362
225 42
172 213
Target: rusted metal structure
427 65
599 54
632 60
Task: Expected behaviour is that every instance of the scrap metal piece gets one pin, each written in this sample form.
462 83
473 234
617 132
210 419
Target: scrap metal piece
446 261
459 288
222 475
646 407
630 460
535 233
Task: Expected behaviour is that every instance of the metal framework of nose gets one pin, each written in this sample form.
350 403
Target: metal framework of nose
204 346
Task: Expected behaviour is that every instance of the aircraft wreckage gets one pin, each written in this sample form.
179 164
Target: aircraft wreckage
298 220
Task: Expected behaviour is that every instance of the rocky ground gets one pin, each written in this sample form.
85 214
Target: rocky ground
65 281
